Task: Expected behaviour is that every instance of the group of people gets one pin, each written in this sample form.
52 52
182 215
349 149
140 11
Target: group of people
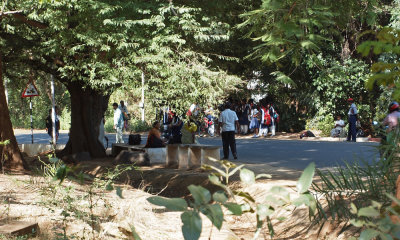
258 119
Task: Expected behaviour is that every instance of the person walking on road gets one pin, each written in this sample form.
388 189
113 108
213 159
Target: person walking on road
118 123
353 118
228 120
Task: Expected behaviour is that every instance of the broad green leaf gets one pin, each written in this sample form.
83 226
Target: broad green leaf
234 208
173 204
220 197
215 214
214 180
200 194
282 192
368 212
368 234
192 225
264 211
306 178
302 199
357 223
272 200
247 176
353 209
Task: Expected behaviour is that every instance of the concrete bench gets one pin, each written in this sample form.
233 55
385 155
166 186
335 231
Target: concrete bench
116 148
189 156
37 148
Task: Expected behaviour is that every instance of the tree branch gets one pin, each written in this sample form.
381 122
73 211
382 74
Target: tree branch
18 14
10 13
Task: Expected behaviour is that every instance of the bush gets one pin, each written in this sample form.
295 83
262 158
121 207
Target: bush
65 119
322 121
139 125
109 125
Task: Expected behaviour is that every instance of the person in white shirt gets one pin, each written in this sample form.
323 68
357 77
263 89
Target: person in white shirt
353 118
125 113
339 125
118 123
228 122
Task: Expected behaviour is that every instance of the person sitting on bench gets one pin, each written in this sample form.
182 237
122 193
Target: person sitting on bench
339 125
154 139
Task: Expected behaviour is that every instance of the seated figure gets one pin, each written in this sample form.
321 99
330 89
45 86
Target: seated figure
339 125
154 139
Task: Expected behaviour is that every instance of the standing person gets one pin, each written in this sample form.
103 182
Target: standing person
353 118
125 115
254 124
274 119
118 123
244 117
228 120
265 120
188 132
176 127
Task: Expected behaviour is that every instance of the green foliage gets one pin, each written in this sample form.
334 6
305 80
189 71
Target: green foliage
65 119
359 182
139 126
376 220
211 205
322 121
386 71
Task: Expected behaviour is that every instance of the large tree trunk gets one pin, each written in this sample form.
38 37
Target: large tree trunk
10 153
87 109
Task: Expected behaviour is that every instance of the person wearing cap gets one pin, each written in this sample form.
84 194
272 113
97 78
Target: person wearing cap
228 120
353 118
392 119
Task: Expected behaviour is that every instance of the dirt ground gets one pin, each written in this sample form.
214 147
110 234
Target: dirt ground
88 211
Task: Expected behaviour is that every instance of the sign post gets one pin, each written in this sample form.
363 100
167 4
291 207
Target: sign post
30 91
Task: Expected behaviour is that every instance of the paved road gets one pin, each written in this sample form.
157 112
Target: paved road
293 154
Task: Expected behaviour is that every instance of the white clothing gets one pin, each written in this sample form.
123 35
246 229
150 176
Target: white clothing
339 123
272 130
354 108
228 119
118 119
118 135
263 131
194 109
244 129
254 112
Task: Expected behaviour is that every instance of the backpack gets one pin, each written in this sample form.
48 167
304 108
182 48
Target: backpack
134 139
267 117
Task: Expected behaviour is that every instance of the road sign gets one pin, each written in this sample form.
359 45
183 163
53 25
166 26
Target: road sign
30 91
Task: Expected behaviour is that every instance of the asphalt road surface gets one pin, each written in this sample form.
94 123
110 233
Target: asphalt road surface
293 154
